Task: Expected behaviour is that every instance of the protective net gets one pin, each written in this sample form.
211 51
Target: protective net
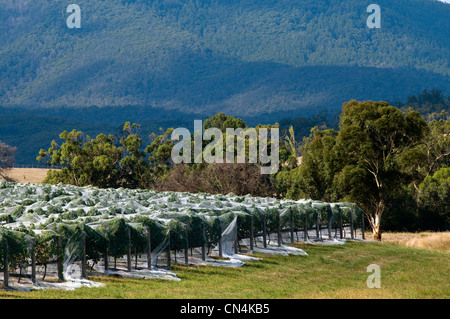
56 236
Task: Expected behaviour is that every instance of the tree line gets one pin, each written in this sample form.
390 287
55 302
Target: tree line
393 163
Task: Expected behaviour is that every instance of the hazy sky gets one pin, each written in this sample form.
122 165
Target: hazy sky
446 1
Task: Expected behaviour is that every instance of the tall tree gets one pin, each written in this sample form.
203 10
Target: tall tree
372 141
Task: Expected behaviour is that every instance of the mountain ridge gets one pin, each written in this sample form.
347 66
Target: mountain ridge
240 57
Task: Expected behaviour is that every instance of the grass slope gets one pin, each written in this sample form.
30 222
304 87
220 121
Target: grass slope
328 272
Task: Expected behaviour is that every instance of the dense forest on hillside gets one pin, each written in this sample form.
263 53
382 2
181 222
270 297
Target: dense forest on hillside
242 57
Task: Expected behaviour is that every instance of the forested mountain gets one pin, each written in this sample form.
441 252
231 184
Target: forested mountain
162 63
242 57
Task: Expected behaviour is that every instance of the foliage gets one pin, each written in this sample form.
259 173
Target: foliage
435 195
6 158
379 149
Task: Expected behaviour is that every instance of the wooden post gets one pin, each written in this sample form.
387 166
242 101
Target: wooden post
168 253
351 225
33 260
251 232
204 243
317 225
329 227
291 222
186 249
363 226
236 249
83 256
6 264
279 239
305 227
264 231
60 259
220 245
106 260
129 250
149 248
340 224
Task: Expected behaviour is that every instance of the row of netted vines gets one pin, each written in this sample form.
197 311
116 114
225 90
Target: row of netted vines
148 242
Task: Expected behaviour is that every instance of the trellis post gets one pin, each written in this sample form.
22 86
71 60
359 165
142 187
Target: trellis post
236 248
291 222
129 250
251 232
33 260
168 252
317 225
279 230
204 242
264 230
351 225
106 260
330 236
59 259
363 226
305 227
149 248
83 256
186 249
6 264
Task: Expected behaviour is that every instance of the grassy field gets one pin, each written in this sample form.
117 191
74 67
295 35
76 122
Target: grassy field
327 272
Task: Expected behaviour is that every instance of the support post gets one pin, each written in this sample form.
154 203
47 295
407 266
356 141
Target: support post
340 224
220 245
251 232
83 256
106 260
33 260
279 239
149 248
60 259
168 253
363 226
317 226
236 248
6 264
186 249
129 250
264 231
291 222
305 227
204 243
330 236
351 225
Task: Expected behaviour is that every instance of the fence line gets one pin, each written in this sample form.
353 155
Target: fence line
36 166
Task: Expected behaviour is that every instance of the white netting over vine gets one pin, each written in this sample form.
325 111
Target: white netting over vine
68 232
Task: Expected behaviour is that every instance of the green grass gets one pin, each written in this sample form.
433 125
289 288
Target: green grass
328 272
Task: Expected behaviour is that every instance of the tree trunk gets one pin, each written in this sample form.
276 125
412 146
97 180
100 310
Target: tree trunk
375 221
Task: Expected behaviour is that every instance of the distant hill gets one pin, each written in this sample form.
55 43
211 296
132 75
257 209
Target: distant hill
249 58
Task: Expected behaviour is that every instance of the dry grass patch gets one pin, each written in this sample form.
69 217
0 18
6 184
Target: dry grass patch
27 175
425 240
